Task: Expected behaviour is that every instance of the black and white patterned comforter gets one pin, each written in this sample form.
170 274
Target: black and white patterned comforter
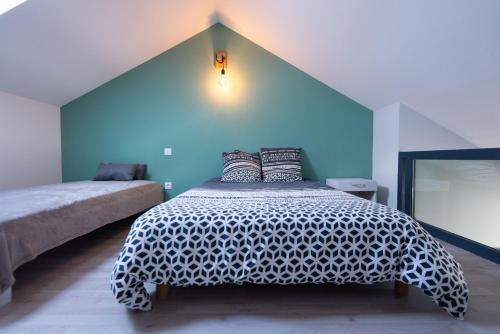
284 233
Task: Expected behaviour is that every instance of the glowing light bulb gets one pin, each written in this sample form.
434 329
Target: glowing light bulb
223 79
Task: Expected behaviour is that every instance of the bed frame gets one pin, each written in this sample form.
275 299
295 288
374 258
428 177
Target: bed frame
400 289
6 297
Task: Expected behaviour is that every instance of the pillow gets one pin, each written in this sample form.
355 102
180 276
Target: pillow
281 164
239 166
140 172
116 172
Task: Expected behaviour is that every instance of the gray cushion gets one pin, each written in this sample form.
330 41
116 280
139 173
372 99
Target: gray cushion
140 172
116 172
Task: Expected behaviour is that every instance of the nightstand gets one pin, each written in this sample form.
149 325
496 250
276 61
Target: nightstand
364 188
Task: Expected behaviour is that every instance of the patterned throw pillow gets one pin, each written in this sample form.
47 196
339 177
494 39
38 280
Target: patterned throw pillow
241 166
281 164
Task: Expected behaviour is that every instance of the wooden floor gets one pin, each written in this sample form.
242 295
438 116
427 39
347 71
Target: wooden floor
67 291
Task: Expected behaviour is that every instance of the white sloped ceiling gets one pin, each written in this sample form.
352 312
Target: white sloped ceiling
57 50
441 57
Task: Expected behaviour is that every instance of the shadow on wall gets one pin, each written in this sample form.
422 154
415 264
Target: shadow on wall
382 195
215 18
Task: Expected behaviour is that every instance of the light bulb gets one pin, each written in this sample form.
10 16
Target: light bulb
223 79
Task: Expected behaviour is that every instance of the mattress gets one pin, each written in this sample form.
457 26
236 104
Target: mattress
281 233
34 220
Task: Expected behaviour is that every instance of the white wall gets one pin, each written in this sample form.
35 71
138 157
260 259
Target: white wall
385 152
419 133
398 128
30 142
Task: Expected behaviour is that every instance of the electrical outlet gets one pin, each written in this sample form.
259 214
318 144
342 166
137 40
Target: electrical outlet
168 185
167 151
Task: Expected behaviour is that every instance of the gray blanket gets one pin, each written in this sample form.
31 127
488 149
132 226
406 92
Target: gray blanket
34 220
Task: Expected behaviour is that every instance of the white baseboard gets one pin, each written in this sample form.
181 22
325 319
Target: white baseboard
5 297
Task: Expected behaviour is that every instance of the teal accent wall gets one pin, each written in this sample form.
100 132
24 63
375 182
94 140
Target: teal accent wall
174 100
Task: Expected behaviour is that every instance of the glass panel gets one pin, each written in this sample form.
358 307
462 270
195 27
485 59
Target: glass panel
460 196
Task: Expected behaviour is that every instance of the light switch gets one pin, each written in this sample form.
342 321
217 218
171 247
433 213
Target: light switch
167 151
168 185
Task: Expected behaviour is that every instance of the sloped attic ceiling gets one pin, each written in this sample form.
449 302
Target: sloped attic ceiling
57 50
440 57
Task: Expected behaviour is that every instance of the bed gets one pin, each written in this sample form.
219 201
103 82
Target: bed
281 233
34 220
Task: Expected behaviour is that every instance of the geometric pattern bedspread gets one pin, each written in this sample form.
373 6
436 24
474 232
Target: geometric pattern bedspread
296 234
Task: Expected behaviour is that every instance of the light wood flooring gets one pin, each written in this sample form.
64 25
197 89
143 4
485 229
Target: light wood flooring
67 291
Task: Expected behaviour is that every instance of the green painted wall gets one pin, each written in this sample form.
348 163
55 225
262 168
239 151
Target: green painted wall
174 100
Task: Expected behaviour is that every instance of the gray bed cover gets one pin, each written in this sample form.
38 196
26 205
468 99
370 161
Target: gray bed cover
34 220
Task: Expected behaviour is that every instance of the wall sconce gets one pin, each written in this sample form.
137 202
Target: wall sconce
220 61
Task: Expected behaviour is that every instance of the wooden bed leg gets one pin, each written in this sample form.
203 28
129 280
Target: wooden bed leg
401 289
162 291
